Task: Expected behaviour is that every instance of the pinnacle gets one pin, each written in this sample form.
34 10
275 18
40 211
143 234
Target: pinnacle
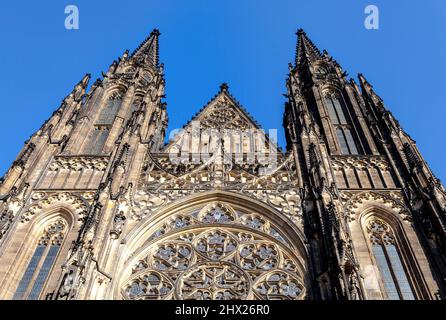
155 32
149 48
362 79
224 87
305 49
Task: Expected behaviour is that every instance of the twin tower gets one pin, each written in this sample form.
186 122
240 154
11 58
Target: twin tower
98 206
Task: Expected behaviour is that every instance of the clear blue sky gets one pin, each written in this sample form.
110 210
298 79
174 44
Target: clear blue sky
247 43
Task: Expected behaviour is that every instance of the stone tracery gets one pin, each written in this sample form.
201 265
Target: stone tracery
41 201
219 117
219 213
355 203
166 182
215 264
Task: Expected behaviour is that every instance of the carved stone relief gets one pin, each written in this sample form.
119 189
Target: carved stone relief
356 202
362 172
42 201
219 213
159 186
215 263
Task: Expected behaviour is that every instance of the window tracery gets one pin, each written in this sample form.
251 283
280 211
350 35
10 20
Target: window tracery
109 111
388 260
338 117
321 70
42 261
215 263
218 213
98 136
224 117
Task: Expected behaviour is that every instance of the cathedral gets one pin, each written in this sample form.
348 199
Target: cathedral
97 206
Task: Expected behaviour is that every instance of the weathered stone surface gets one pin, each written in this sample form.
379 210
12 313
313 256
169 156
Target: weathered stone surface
98 200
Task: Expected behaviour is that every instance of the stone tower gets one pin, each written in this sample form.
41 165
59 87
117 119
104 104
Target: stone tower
98 206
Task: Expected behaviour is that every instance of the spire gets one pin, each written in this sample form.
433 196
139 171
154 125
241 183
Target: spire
148 49
367 89
305 48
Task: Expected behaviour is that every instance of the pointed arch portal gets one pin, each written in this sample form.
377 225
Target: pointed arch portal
215 246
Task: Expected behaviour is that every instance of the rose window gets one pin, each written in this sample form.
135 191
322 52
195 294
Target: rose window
218 264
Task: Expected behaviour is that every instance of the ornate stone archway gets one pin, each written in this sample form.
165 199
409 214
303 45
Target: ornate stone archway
215 251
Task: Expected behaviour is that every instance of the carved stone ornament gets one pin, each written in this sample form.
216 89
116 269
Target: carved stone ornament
220 213
380 233
360 162
215 263
164 183
41 202
79 163
224 116
54 233
118 225
391 201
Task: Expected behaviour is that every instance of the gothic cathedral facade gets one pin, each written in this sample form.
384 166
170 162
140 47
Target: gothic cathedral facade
98 206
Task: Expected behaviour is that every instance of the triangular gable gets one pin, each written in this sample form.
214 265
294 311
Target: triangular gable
223 112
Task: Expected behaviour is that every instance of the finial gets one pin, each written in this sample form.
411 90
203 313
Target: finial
97 83
362 79
224 87
81 84
155 32
300 32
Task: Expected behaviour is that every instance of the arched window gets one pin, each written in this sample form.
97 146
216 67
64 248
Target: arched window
320 71
96 140
41 263
109 111
389 262
336 112
135 104
346 141
98 136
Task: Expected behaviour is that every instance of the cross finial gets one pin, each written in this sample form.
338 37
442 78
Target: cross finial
155 32
224 87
